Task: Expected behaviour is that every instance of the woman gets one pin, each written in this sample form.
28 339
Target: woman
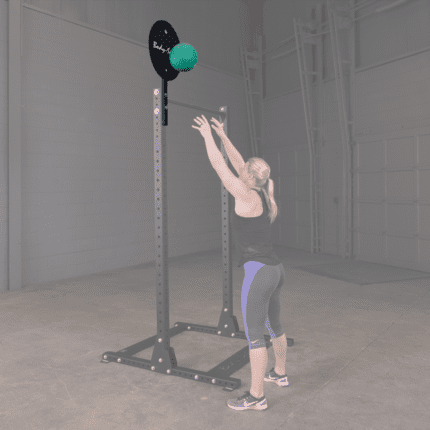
255 210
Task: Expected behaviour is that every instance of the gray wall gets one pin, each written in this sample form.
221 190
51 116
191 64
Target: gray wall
87 162
392 165
391 103
216 28
87 134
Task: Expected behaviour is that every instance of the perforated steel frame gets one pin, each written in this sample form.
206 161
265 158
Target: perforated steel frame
163 356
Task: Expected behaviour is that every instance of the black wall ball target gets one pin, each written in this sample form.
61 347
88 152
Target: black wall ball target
169 57
162 39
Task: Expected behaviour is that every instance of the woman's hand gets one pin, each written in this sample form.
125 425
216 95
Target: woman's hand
218 127
205 128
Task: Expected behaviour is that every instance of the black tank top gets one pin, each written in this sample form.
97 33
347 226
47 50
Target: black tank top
253 237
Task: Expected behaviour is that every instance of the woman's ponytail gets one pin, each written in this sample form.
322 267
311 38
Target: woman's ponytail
269 193
260 170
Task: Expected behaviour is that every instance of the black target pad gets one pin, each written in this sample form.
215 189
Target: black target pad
162 39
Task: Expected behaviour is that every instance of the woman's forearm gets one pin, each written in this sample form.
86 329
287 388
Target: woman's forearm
233 154
214 154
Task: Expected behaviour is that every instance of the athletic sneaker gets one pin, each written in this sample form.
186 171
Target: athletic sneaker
280 380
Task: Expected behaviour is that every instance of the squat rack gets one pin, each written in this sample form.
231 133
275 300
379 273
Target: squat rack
163 357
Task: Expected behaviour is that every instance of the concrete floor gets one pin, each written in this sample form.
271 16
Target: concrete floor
360 359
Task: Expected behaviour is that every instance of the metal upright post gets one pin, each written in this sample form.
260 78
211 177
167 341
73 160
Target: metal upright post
345 122
352 129
247 95
260 60
313 129
304 74
303 82
320 126
248 64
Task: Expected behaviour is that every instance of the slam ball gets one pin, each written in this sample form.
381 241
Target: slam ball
183 57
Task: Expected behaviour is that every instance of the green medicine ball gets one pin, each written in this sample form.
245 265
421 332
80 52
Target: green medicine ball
183 57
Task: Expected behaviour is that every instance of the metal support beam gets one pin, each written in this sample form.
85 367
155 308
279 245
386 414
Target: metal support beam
278 45
195 107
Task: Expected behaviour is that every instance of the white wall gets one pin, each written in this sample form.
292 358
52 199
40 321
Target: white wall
87 149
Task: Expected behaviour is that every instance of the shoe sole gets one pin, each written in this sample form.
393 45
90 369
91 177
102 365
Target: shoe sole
280 382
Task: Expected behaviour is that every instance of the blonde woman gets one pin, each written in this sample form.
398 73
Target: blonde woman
254 212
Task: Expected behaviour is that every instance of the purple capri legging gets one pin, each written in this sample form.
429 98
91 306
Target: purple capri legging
261 291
